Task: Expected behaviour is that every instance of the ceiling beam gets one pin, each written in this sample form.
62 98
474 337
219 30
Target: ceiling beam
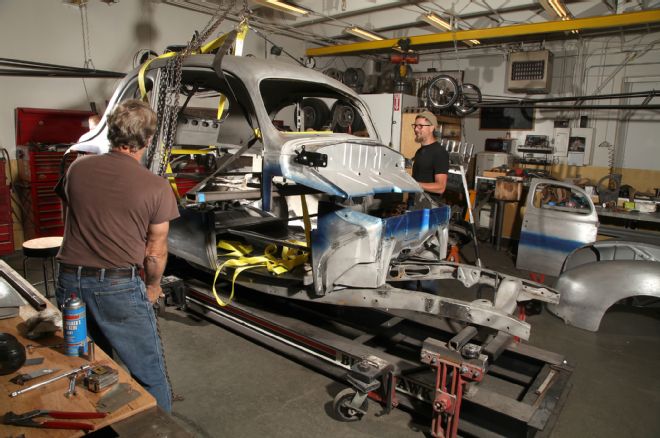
357 12
519 30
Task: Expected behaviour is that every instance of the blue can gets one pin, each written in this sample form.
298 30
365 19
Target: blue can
74 315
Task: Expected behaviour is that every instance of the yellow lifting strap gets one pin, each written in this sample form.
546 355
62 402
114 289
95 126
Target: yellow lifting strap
289 259
206 48
306 221
172 181
143 70
238 51
205 151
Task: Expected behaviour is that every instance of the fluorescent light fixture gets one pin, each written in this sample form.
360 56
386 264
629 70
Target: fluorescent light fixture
284 7
474 42
364 34
436 21
557 8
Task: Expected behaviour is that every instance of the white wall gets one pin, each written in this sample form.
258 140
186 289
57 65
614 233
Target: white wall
581 67
50 31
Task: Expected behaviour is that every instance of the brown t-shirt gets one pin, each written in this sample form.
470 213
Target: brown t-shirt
112 199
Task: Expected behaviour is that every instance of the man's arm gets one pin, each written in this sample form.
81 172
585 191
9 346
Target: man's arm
438 186
155 259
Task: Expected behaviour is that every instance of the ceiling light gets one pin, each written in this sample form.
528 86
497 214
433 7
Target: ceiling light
284 7
475 42
436 21
364 34
557 8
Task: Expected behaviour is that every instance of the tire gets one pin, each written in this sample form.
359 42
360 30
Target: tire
345 116
442 92
316 113
467 99
345 413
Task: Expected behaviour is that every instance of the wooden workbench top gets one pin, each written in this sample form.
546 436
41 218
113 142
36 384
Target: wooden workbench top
51 396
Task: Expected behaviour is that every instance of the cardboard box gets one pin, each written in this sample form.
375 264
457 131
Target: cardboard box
512 221
506 190
491 174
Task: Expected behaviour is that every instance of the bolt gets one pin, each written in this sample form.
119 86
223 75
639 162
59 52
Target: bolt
439 406
464 370
476 374
363 366
433 360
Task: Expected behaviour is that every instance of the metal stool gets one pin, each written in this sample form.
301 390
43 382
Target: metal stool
44 248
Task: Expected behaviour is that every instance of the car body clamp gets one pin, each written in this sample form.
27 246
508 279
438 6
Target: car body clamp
28 419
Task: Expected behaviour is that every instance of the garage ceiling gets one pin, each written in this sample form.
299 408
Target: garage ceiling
324 26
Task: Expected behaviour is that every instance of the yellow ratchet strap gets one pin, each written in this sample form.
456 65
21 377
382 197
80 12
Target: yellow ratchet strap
172 181
192 151
290 258
143 70
212 45
240 38
306 221
238 51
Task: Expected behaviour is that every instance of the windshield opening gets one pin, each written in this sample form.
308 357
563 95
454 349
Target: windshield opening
298 106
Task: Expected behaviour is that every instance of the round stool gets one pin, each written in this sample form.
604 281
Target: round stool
44 248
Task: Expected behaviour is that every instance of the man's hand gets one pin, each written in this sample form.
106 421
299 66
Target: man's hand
154 292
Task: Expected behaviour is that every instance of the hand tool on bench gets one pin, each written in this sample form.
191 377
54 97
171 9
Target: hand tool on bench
74 371
28 419
30 347
22 378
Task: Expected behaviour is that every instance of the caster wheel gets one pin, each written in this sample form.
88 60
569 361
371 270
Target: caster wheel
533 307
342 411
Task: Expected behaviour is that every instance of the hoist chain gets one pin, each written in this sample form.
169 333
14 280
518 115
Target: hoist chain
167 106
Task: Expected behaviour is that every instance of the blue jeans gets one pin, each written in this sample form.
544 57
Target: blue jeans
120 316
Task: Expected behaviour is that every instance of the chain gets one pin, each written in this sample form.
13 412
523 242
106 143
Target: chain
168 97
162 351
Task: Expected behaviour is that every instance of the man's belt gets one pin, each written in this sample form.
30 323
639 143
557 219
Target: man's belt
100 272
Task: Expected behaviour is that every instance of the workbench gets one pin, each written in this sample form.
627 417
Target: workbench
629 225
51 396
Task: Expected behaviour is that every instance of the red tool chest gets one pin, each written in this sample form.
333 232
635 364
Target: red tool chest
42 137
6 224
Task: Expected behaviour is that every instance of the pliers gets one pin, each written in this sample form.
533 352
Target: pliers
28 419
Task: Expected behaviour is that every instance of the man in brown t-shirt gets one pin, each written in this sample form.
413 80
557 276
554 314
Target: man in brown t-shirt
116 224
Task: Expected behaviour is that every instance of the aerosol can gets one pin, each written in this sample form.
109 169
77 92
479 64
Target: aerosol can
75 326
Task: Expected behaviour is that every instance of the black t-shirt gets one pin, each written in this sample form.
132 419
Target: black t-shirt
429 161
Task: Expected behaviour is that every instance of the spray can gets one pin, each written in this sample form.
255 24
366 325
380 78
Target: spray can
75 326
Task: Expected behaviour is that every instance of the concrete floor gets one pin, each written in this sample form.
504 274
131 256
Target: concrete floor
233 387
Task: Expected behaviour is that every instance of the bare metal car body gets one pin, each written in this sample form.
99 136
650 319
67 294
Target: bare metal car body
596 276
554 225
357 250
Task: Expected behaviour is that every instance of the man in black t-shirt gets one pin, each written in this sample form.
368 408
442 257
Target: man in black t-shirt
431 162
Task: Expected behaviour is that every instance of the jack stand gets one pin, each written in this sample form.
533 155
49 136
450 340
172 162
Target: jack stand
454 254
351 404
456 363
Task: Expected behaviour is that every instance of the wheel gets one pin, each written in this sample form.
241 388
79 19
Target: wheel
345 118
468 97
533 307
442 92
316 113
342 411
